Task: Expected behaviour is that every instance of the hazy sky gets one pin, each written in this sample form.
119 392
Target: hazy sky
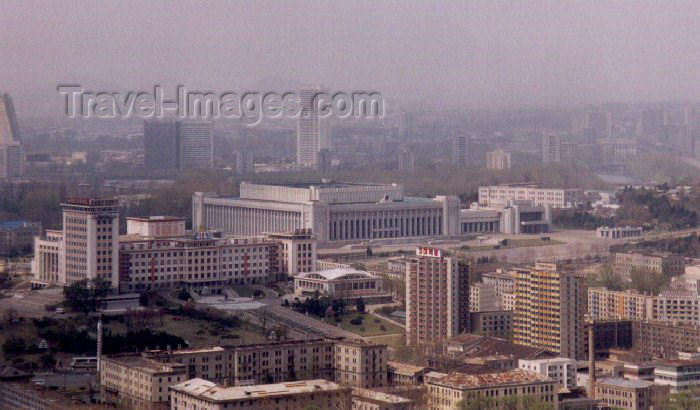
470 54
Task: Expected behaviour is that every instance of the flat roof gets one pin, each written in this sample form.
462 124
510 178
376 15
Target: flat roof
380 396
207 390
322 184
335 273
496 378
405 368
624 383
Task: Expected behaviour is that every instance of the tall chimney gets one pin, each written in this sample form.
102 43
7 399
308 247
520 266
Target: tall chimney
591 360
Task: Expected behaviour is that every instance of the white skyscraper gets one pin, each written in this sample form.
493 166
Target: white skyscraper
313 131
9 131
551 148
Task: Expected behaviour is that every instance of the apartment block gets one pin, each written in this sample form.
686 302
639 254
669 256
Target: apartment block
361 364
498 159
504 283
550 310
365 399
682 376
482 298
446 390
678 306
609 304
437 297
495 323
555 198
137 382
665 263
205 395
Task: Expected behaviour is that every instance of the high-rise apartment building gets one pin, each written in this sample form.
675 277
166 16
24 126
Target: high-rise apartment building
11 160
437 297
460 150
550 310
324 163
196 144
313 131
406 163
498 159
551 148
91 240
161 145
245 163
599 123
170 145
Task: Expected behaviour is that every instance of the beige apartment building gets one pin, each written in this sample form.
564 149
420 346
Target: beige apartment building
665 263
504 283
498 159
136 382
361 364
556 198
437 297
606 304
211 363
550 310
202 394
446 390
630 394
669 306
482 298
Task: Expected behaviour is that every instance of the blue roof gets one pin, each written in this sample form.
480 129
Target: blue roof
12 224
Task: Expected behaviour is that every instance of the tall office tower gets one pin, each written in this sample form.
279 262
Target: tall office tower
196 144
551 148
549 309
91 238
11 160
599 123
460 150
406 163
161 145
245 164
324 164
437 297
652 122
406 125
498 159
9 130
313 131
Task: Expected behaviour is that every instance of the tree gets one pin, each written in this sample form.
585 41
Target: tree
86 295
360 305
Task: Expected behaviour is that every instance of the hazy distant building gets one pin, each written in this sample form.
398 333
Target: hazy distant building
599 123
406 125
324 163
11 160
9 130
652 122
406 163
11 150
196 144
460 150
551 149
313 131
245 164
498 159
161 145
617 150
556 198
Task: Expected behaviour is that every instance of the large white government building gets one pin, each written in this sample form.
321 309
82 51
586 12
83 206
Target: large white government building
334 211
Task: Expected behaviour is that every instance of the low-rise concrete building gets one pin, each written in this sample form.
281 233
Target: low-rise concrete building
342 283
404 374
664 263
560 369
205 395
17 237
506 216
607 232
365 399
680 375
629 394
482 297
446 390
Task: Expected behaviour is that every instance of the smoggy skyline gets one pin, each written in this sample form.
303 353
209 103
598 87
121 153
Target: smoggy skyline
444 55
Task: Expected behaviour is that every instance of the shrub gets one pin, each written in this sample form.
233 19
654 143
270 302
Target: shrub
362 329
356 321
377 321
383 328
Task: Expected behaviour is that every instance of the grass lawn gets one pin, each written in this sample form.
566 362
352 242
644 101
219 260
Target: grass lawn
198 333
371 325
394 341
